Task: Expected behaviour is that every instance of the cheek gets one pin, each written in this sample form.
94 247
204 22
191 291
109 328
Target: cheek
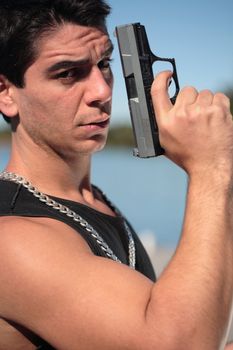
70 100
33 102
49 106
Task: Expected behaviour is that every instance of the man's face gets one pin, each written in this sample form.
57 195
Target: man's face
66 102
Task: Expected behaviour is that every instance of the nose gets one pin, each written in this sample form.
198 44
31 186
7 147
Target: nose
99 87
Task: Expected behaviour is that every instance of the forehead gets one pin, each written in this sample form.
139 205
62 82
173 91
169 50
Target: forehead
71 40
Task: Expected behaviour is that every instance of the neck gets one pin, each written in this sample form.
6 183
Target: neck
51 173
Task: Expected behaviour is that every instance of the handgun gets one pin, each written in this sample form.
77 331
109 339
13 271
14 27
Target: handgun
137 60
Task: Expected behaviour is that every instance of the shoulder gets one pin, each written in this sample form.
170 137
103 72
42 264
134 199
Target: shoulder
34 243
25 239
48 276
28 246
19 230
33 251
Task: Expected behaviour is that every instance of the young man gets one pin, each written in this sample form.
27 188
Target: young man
64 279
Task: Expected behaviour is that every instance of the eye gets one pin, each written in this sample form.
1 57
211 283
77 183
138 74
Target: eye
105 64
67 74
72 75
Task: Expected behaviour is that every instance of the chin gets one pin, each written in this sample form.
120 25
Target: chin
96 144
99 147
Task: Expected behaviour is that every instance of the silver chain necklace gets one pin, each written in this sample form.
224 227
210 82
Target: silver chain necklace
8 176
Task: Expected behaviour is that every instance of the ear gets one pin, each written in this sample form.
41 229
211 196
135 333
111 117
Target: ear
7 104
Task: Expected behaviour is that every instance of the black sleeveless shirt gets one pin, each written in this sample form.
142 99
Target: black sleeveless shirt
15 200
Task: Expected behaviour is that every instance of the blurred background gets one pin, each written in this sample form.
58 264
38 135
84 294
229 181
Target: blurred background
151 192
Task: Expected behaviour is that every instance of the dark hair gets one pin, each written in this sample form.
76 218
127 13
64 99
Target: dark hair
23 22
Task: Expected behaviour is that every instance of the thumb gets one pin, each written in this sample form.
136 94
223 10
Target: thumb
159 93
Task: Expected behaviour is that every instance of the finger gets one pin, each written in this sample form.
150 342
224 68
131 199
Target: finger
188 95
205 98
220 98
159 92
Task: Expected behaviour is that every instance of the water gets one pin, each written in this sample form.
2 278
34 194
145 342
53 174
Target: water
150 192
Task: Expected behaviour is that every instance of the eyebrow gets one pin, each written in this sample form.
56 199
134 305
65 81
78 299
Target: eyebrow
81 62
66 65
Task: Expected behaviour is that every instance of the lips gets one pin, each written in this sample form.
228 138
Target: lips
99 123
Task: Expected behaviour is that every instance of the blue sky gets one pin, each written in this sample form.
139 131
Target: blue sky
198 34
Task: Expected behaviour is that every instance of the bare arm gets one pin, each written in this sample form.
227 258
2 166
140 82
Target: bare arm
57 287
203 262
